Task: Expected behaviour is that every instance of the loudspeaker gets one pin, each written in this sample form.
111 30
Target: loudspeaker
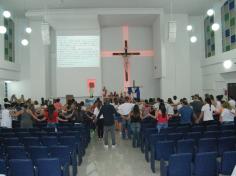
45 30
172 28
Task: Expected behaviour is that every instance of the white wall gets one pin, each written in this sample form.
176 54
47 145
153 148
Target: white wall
141 67
215 77
177 59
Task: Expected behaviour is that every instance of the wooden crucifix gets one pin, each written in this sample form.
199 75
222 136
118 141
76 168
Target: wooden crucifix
126 53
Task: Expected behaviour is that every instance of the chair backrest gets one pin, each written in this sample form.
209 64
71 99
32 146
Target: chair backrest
49 140
226 144
61 152
211 134
185 146
167 130
16 152
228 162
3 168
198 129
49 167
22 167
164 149
227 133
205 164
212 127
38 152
31 141
193 135
207 145
182 129
12 141
227 127
175 136
180 164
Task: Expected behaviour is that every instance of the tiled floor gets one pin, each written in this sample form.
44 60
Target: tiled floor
121 161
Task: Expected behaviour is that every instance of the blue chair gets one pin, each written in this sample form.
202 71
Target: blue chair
38 133
22 135
226 144
185 146
212 128
12 142
145 143
63 153
227 133
205 164
50 141
175 136
227 127
211 134
49 130
228 163
178 165
19 130
21 167
167 130
207 145
163 150
16 152
154 138
3 168
182 129
49 167
38 152
31 141
193 135
8 135
198 129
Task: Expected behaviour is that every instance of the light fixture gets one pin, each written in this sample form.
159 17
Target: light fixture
28 30
3 29
6 14
227 64
193 39
215 27
210 12
189 28
24 42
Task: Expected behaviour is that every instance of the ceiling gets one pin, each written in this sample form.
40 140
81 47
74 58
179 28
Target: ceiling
191 7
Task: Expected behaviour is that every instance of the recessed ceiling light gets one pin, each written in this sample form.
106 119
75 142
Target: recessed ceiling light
193 39
24 42
215 27
227 64
3 29
28 30
210 12
189 28
6 14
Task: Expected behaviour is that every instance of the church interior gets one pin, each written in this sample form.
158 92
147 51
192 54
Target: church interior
123 88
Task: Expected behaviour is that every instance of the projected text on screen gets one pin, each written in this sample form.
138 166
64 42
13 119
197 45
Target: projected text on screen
78 51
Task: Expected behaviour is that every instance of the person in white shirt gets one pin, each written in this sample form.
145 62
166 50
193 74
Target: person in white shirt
157 104
100 125
207 112
124 110
228 114
6 117
232 102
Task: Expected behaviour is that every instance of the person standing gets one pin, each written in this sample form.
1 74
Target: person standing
100 120
186 113
207 113
197 107
108 111
161 117
6 121
135 118
124 110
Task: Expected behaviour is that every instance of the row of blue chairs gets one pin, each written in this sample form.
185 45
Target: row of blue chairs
26 167
204 164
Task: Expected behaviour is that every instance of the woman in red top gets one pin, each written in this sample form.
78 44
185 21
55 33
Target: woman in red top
162 117
52 117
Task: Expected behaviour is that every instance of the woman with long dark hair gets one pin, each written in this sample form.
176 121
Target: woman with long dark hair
207 112
100 120
52 117
135 120
161 117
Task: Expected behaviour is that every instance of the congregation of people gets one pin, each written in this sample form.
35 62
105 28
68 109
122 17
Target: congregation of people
119 113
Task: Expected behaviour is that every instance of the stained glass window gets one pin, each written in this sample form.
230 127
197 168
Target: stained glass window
209 37
9 39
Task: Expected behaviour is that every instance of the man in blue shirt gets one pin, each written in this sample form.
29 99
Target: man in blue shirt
186 113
